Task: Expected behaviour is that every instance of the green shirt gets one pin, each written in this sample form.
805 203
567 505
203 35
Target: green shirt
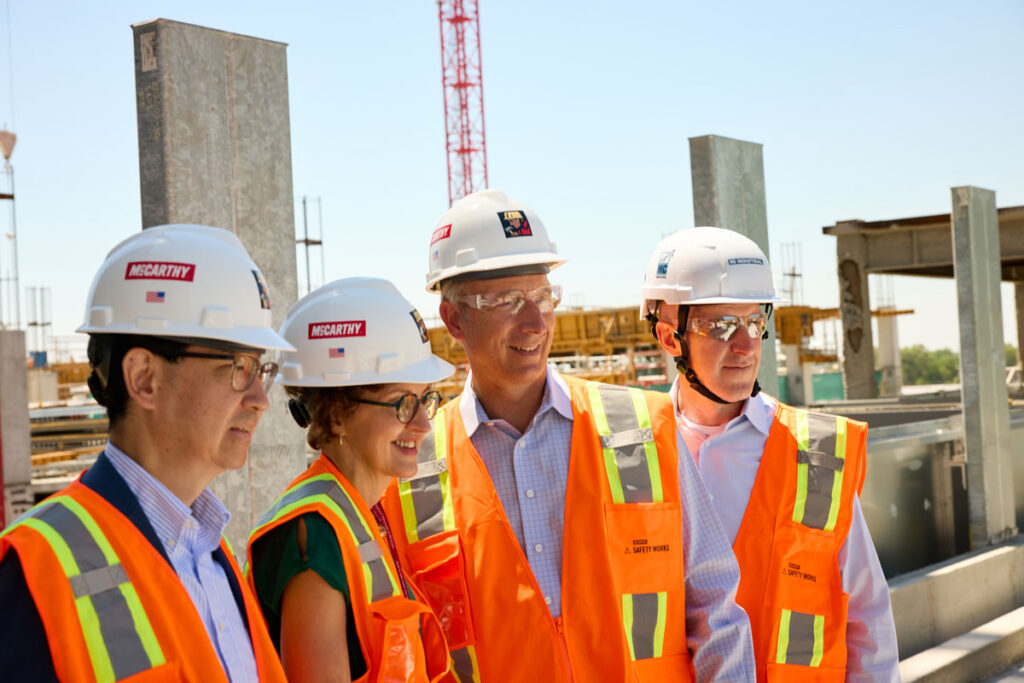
276 559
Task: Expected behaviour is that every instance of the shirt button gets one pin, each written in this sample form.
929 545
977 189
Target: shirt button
529 493
220 625
538 547
547 599
170 542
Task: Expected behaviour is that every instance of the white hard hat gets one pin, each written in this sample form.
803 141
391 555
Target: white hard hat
708 266
357 331
182 281
490 234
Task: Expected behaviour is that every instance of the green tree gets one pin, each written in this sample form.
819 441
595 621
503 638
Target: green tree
1011 355
921 366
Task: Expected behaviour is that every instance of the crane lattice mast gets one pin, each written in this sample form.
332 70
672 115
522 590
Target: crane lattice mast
462 80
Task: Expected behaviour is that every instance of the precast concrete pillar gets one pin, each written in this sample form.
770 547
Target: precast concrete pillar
797 390
1018 295
982 366
889 356
15 439
214 149
855 312
728 192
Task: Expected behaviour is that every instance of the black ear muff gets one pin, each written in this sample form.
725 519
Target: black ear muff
300 413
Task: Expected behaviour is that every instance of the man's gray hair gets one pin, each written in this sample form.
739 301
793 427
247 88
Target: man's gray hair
452 289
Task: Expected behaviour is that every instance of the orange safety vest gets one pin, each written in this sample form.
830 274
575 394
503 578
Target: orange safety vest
401 639
623 595
112 607
796 521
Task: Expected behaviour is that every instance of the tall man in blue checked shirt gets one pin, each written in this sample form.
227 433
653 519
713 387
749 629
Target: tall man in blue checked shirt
552 522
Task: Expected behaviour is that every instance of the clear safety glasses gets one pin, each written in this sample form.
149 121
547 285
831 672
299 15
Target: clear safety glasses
724 327
408 404
244 370
546 298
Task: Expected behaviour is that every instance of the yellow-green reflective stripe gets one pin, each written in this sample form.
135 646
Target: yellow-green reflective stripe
90 524
440 452
627 622
611 467
819 640
659 628
643 418
142 626
802 440
408 511
783 644
837 477
102 667
57 543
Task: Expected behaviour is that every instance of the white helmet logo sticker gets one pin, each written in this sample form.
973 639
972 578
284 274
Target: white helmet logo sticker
338 328
752 261
424 337
515 224
261 285
663 260
160 270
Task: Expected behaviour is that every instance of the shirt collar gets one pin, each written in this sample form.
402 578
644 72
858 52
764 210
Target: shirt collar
166 510
758 410
556 396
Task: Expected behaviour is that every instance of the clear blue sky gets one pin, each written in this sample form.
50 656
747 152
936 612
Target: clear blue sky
866 110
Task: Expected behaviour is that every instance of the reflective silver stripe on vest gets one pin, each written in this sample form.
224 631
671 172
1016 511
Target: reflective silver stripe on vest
822 464
627 440
800 649
381 582
645 621
117 626
427 499
462 665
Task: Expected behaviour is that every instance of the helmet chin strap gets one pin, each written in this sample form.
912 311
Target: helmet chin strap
682 360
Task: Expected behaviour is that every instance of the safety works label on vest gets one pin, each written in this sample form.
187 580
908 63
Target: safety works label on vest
339 328
641 546
792 570
160 270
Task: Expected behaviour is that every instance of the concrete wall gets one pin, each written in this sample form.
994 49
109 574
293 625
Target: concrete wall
728 192
15 438
215 149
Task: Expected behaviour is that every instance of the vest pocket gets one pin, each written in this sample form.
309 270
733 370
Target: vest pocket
645 546
437 568
661 669
411 646
803 570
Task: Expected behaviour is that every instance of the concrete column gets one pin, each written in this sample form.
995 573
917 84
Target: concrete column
796 387
214 148
855 311
889 356
15 439
982 361
1018 293
728 192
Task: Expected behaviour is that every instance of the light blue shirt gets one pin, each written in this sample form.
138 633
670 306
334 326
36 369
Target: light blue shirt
728 464
189 536
530 473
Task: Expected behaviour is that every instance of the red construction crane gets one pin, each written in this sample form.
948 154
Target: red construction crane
462 80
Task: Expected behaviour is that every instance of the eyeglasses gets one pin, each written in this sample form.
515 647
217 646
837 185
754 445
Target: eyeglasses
244 370
407 405
724 327
546 298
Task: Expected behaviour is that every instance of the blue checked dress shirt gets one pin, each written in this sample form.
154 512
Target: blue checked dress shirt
728 464
189 536
530 472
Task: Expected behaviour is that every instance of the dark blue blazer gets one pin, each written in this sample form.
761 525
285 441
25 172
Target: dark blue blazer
24 652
